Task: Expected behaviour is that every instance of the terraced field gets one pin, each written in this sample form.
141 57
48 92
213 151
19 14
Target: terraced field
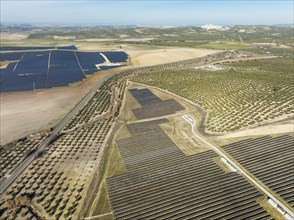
162 183
246 94
270 160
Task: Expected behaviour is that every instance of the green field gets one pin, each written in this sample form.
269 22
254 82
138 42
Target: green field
246 93
225 45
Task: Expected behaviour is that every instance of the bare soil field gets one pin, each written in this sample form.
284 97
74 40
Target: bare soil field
12 36
96 40
115 39
269 129
23 113
143 57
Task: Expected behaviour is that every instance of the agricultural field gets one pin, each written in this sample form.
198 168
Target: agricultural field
59 182
55 103
161 182
189 36
128 153
245 94
38 68
13 153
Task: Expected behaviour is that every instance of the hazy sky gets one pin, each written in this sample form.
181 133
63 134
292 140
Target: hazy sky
147 12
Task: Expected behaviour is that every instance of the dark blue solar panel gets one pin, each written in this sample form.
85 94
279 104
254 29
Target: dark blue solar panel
64 69
116 56
23 82
11 56
108 67
7 71
31 67
88 61
60 58
63 77
33 62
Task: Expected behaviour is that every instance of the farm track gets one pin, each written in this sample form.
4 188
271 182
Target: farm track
162 183
227 96
153 188
79 147
53 188
18 170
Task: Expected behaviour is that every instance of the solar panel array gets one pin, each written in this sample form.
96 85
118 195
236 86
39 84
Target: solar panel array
152 106
162 183
45 67
269 159
11 56
116 57
88 61
64 69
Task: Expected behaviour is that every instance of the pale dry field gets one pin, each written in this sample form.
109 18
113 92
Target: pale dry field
28 112
159 56
115 39
12 36
23 113
270 129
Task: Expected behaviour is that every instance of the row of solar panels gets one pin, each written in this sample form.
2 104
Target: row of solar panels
45 69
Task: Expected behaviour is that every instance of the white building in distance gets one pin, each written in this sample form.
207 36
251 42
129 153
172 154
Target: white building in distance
214 27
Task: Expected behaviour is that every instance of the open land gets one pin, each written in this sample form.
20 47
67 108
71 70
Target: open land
193 156
246 93
53 104
125 197
161 56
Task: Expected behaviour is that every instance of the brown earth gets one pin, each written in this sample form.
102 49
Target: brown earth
12 36
159 56
23 113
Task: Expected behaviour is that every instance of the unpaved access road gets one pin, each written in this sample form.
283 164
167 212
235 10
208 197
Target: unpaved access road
239 168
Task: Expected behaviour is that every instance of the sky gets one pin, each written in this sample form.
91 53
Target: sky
147 12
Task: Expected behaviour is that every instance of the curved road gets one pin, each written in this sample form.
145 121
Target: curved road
240 169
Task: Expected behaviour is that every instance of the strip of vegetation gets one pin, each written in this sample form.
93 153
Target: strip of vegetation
248 93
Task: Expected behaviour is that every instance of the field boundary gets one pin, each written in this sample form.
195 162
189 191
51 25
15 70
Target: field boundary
205 115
